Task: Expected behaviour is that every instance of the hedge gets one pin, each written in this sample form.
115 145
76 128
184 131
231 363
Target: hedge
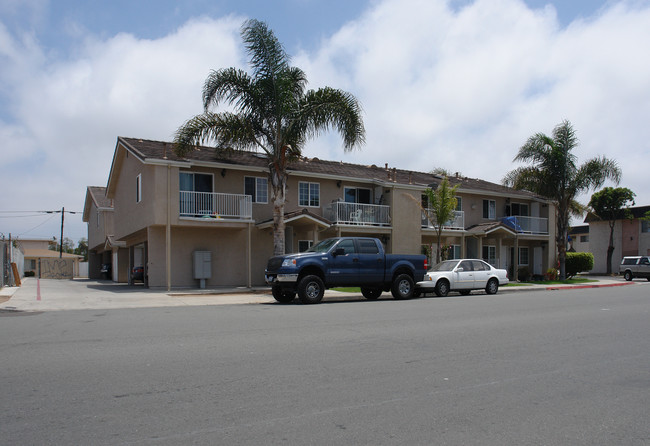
577 262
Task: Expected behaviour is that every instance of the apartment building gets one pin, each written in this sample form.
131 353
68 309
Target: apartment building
171 215
631 238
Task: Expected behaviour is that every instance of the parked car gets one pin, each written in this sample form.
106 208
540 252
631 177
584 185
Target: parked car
462 275
635 266
137 274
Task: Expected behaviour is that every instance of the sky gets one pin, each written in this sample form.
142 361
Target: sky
452 84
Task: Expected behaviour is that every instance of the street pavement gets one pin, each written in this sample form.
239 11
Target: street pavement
78 294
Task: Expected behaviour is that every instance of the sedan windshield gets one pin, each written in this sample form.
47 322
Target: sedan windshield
323 246
447 265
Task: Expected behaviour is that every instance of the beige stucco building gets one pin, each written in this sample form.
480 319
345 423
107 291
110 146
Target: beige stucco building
631 238
157 210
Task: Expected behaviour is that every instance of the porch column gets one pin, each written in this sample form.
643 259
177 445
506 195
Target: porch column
315 234
515 261
479 254
463 251
249 266
499 240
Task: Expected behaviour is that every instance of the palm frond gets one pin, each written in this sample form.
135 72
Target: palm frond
267 56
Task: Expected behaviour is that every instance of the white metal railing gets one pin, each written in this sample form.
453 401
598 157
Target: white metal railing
456 222
215 205
358 214
527 225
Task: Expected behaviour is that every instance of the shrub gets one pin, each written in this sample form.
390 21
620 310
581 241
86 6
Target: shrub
552 274
577 262
523 274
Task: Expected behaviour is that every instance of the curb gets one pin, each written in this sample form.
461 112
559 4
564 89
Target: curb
581 287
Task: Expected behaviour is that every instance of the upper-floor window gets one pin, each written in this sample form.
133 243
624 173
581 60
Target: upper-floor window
195 182
459 203
257 188
357 195
138 188
520 209
309 194
490 210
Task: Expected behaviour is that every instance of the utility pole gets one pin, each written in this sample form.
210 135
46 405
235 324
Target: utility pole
61 240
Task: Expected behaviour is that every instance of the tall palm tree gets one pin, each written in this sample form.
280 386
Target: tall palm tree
554 174
273 113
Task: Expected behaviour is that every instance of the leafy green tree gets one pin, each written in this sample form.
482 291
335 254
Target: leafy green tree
68 245
273 113
440 204
611 204
82 248
553 173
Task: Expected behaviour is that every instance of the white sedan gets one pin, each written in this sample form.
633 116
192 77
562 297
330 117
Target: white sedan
463 275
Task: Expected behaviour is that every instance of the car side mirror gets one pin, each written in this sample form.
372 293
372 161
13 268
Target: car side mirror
339 252
459 269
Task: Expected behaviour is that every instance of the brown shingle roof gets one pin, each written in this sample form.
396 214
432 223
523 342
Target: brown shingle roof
147 149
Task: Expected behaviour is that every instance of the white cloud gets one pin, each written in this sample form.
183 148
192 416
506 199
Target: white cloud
441 87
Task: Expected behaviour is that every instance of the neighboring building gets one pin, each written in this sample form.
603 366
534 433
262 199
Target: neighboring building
631 238
579 238
158 210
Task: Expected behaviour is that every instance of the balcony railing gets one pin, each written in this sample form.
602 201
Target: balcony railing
456 222
526 225
215 205
358 214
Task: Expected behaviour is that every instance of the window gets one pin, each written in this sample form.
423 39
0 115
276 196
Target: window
459 203
453 252
195 194
356 195
347 246
138 188
519 209
257 188
490 209
584 238
490 254
368 247
523 255
480 266
309 194
304 245
644 226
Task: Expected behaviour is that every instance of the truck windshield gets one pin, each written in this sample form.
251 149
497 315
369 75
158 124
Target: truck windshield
323 246
447 265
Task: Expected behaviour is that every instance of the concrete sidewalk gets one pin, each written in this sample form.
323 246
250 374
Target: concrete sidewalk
79 294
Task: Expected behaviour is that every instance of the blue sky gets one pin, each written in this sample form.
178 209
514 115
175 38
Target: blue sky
458 84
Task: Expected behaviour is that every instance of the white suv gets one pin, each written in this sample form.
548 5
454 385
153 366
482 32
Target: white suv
635 266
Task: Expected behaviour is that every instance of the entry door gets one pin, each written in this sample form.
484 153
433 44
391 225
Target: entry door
537 260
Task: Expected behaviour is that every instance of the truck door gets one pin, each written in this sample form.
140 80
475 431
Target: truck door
371 262
344 268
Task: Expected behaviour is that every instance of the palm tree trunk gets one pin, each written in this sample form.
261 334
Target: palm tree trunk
278 197
610 246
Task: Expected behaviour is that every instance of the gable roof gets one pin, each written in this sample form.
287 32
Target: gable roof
148 151
636 212
96 195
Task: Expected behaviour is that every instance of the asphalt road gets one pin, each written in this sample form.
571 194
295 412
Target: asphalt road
550 368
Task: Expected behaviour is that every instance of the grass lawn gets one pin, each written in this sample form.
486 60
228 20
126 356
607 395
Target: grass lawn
348 290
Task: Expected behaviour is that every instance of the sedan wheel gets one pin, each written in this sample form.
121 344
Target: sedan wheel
492 286
442 288
628 275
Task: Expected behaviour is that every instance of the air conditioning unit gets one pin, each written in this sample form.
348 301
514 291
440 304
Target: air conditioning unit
202 263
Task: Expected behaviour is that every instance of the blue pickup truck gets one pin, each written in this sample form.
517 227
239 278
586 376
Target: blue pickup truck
344 262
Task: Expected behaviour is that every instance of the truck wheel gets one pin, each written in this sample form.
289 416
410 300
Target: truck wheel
403 287
371 293
283 296
628 275
311 290
442 288
492 286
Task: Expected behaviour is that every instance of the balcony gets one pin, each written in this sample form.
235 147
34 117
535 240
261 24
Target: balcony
215 205
456 222
527 225
358 214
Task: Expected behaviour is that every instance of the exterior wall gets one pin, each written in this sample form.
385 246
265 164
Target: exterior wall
644 242
598 242
406 220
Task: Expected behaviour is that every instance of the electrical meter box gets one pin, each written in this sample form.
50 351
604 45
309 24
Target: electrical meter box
202 262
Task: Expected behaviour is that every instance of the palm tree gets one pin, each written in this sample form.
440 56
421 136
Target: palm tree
554 174
273 113
441 204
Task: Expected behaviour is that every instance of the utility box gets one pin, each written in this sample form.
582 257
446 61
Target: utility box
202 262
